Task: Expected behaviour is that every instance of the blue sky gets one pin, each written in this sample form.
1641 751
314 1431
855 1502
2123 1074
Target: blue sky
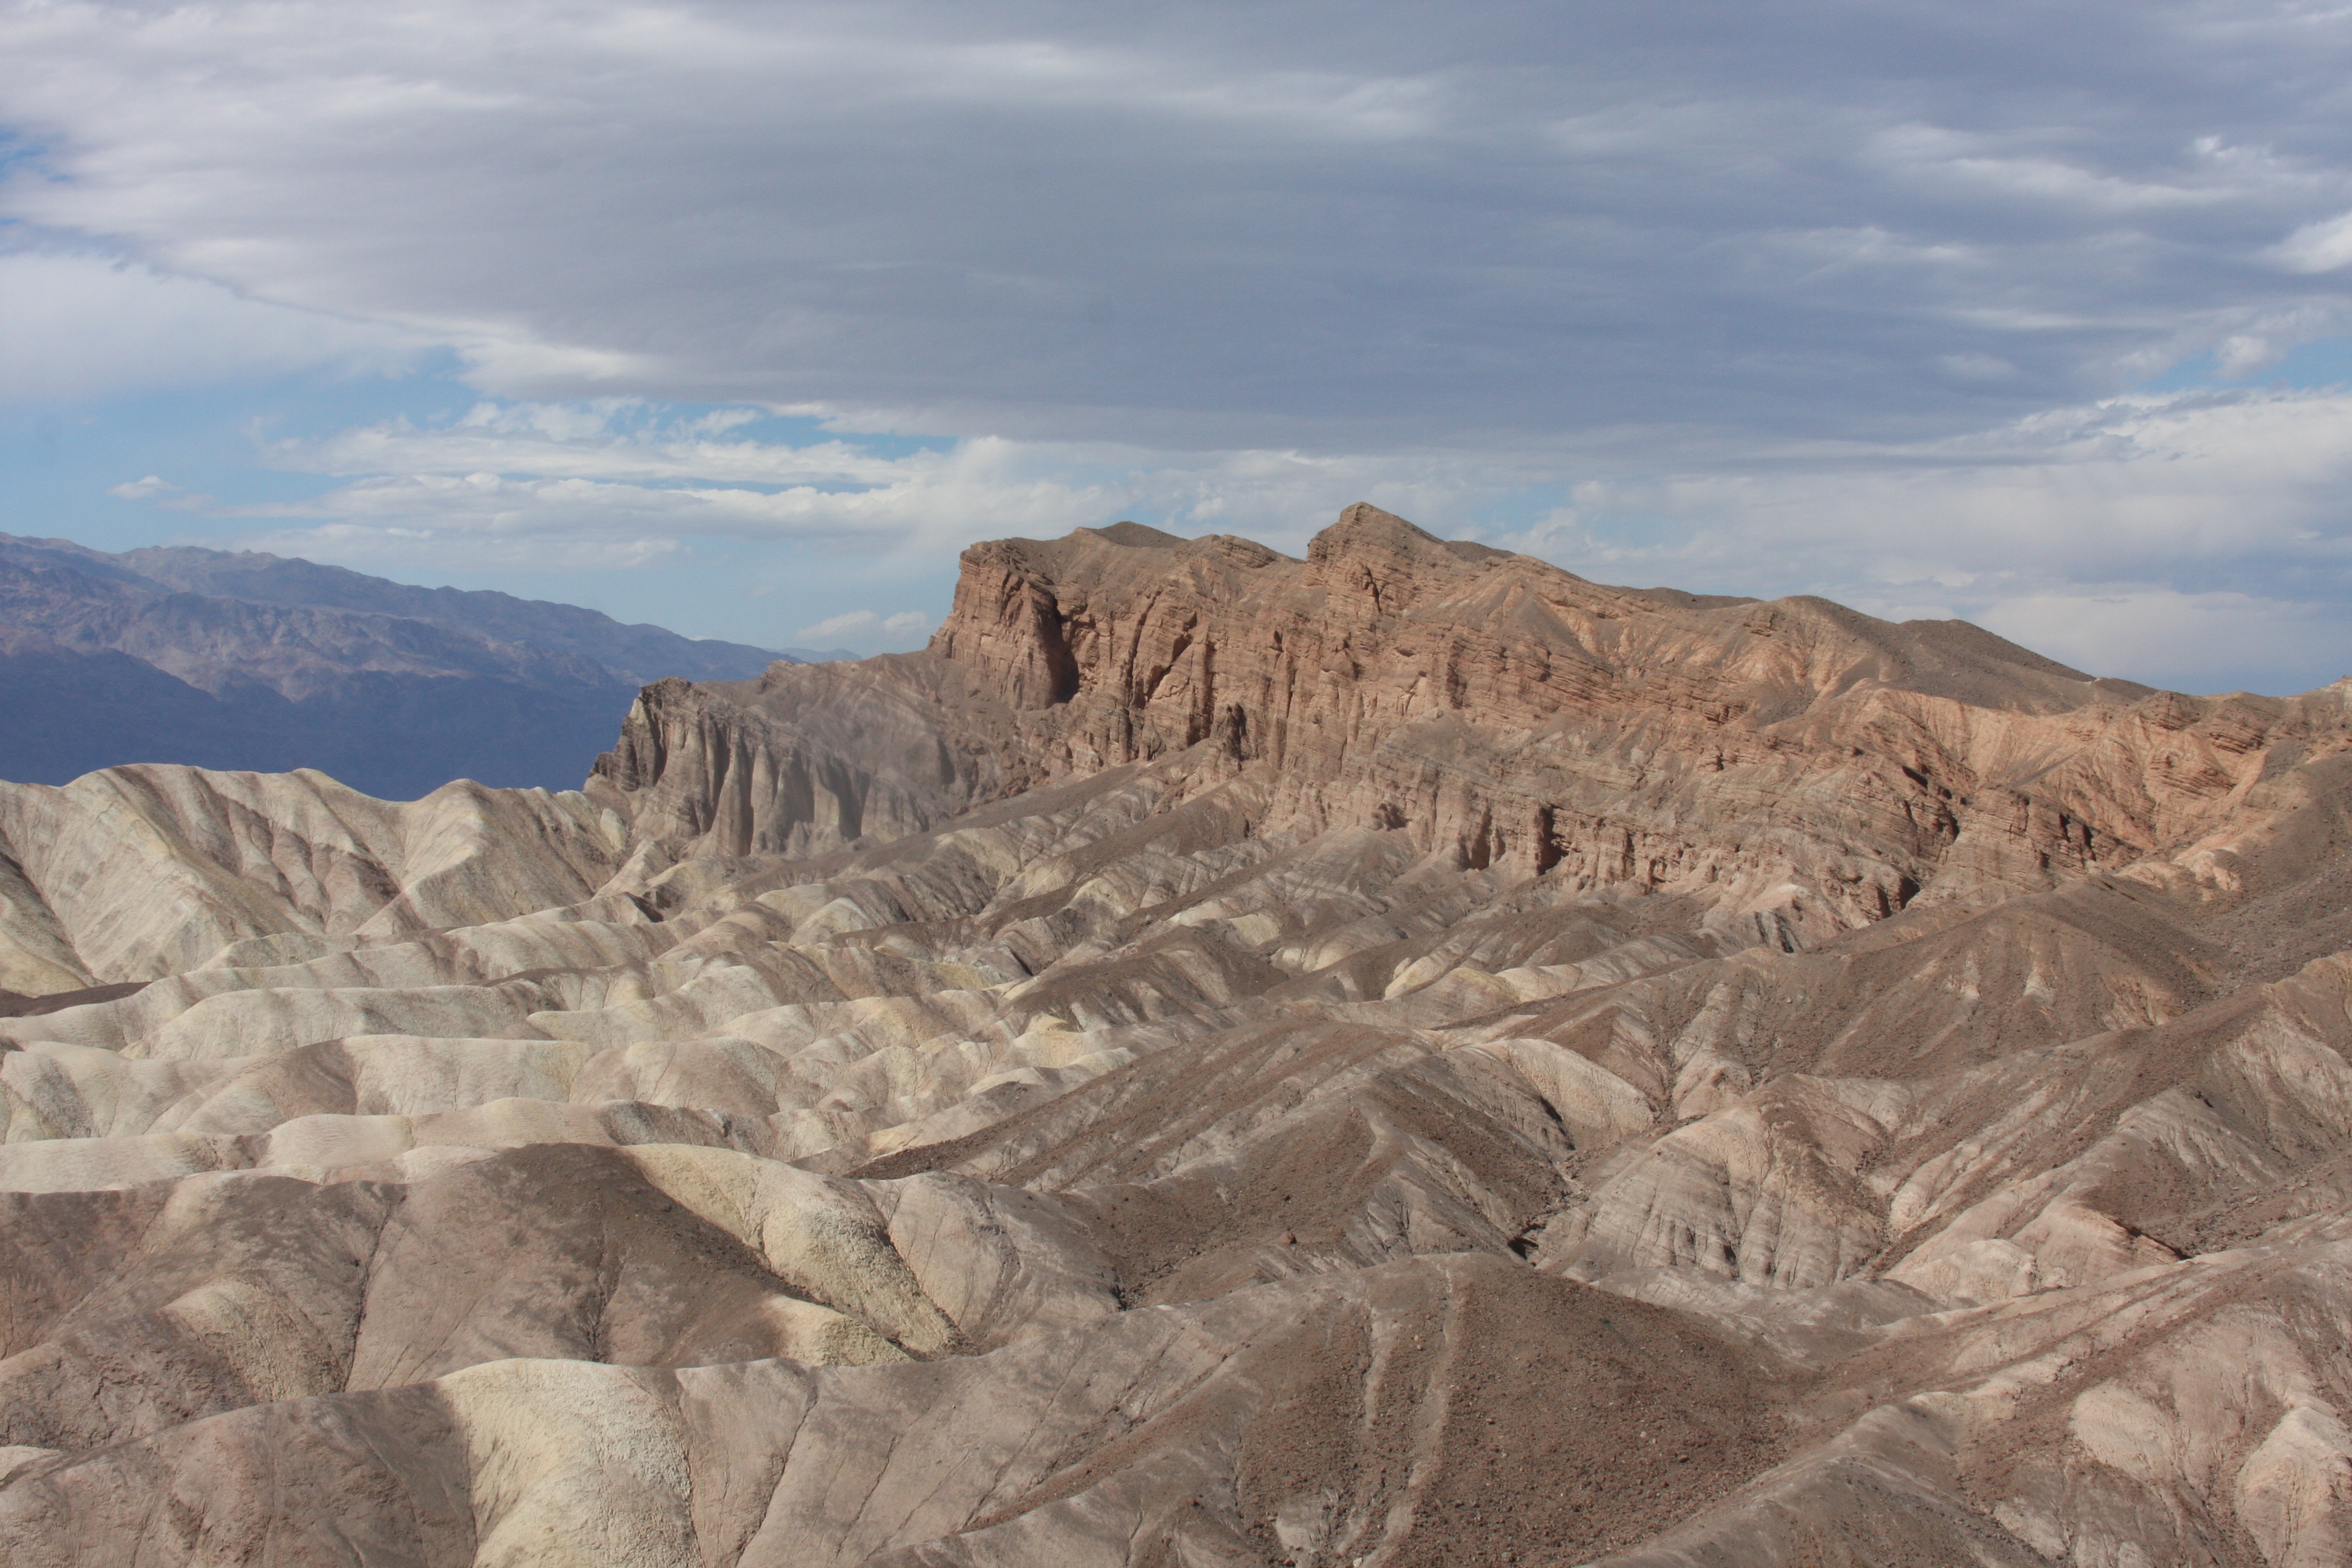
745 318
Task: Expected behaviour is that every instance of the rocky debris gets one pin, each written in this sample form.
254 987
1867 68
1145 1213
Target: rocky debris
1405 1057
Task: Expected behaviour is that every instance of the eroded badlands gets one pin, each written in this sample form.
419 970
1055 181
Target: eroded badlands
1406 1056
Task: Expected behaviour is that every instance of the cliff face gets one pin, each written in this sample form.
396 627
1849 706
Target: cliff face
1791 760
807 758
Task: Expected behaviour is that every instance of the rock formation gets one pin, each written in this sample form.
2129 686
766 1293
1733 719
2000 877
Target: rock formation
1403 1057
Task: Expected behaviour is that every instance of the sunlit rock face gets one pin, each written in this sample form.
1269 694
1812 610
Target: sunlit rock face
1402 1056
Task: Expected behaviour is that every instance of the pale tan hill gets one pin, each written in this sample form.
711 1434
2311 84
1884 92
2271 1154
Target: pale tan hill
1406 1056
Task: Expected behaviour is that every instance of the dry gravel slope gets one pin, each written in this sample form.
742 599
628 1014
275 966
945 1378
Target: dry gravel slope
1402 1056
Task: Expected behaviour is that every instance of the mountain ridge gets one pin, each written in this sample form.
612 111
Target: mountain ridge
1067 656
281 663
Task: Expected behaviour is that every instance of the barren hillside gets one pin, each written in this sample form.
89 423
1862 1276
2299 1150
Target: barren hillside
1406 1056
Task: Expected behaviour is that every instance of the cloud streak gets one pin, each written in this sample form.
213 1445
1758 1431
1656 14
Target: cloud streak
77 325
865 626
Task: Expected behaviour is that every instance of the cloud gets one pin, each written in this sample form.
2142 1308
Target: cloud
622 472
2195 483
2147 501
163 493
1227 226
865 627
432 556
618 439
839 627
2319 247
76 326
2197 539
2168 638
1836 299
630 474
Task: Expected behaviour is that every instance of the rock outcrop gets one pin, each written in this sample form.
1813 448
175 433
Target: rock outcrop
1402 1056
1792 759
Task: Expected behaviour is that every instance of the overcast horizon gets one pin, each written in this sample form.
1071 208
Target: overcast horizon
744 320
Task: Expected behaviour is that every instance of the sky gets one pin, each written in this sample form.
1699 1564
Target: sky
745 318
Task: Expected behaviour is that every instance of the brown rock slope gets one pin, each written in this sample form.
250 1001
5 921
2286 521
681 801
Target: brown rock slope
1407 1056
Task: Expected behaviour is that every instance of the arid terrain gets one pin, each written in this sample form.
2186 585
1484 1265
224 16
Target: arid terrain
1402 1057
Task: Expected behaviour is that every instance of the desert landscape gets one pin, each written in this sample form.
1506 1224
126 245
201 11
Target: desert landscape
1405 1057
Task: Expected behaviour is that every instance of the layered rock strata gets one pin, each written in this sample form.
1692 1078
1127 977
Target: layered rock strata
1402 1056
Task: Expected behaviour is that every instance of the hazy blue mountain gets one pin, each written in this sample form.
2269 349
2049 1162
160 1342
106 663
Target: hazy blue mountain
634 654
256 661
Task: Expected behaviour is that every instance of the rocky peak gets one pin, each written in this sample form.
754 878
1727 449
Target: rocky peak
1134 536
1383 560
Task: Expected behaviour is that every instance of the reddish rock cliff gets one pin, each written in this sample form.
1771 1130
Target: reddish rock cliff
1791 760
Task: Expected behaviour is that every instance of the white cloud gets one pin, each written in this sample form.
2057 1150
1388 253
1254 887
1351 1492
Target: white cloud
1223 225
501 473
2008 166
865 629
431 555
2242 354
837 626
592 477
75 325
1823 303
619 439
2124 499
2077 524
2083 531
163 493
2319 247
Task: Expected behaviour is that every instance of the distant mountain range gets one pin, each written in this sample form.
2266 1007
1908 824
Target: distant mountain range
253 661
